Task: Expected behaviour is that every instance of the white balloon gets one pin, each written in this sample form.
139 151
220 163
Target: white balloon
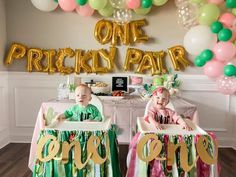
45 5
198 39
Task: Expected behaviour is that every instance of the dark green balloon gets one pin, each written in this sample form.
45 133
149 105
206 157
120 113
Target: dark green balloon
225 34
216 27
56 1
81 2
206 55
230 70
146 3
199 62
230 3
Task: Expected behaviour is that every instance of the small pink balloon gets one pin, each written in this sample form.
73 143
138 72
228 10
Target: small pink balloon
224 51
67 5
214 68
227 19
215 1
226 85
133 4
85 10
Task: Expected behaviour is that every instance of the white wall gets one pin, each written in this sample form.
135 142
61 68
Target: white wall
4 116
58 29
3 34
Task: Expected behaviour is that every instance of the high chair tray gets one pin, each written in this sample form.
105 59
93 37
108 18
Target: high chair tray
169 129
81 126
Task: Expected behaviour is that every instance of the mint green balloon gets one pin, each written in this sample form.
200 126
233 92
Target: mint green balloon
208 14
107 11
230 3
229 70
142 11
97 4
159 2
216 27
199 62
225 34
206 55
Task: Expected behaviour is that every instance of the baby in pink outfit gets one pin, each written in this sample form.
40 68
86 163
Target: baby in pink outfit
158 113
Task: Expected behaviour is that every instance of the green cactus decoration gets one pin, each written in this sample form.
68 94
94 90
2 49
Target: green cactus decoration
50 116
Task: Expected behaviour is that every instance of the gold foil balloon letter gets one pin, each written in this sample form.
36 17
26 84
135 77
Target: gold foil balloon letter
177 56
16 51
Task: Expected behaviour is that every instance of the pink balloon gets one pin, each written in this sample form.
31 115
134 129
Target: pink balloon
85 10
133 4
215 1
214 68
67 5
227 19
224 51
226 85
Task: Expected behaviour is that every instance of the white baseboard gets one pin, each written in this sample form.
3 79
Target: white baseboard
4 139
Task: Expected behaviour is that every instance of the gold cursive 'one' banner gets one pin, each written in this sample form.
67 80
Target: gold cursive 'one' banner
54 147
155 147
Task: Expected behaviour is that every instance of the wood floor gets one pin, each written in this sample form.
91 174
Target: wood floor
14 160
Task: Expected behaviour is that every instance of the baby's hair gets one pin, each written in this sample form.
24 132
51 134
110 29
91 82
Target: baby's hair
84 86
160 90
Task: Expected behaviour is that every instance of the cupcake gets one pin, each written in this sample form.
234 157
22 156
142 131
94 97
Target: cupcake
135 80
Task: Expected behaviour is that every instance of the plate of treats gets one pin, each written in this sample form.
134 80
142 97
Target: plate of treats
100 88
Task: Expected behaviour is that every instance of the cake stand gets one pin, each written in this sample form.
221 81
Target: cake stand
136 89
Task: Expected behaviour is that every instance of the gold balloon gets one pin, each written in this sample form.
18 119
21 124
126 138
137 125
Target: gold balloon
138 34
83 61
133 56
103 31
122 32
95 64
161 65
62 54
177 56
16 51
78 54
147 63
109 57
34 57
50 55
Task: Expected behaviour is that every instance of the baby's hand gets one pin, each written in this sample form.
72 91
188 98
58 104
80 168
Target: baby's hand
186 127
158 126
60 117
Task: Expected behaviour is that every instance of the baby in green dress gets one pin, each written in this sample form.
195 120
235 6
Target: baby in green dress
82 111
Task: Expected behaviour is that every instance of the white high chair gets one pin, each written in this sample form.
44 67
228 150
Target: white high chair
85 126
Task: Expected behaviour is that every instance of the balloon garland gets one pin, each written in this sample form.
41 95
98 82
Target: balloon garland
106 8
211 36
213 42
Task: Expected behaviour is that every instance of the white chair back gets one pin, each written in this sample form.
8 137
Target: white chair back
98 103
149 104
